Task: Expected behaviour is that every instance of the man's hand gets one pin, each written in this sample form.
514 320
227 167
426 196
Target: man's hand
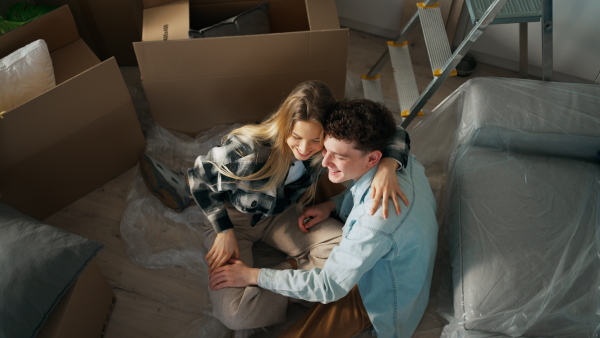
235 274
224 248
385 186
315 214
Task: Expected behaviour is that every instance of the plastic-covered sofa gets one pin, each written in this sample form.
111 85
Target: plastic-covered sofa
515 166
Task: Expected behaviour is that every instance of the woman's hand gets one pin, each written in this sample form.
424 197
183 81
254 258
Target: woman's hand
224 248
235 274
385 186
315 214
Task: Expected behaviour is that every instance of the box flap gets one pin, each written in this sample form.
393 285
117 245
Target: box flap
64 171
254 97
77 102
288 16
322 14
242 55
167 22
57 28
85 310
72 60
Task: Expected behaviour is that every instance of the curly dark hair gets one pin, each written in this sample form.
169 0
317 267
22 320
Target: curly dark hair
370 125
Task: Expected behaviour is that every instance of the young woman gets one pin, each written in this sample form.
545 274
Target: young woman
253 188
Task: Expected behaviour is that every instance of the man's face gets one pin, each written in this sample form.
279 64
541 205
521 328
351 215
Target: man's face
344 162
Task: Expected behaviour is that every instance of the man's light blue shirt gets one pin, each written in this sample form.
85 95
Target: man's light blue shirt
391 259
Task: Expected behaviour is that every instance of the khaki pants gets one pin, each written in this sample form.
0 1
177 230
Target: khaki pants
345 317
252 307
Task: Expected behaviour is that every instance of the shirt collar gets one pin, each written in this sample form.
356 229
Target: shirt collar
361 187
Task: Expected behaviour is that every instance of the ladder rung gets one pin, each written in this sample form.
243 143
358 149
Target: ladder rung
436 39
404 75
372 88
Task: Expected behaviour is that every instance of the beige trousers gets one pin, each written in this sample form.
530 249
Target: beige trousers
252 307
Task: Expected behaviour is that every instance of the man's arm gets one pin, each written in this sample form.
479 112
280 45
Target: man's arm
315 214
357 253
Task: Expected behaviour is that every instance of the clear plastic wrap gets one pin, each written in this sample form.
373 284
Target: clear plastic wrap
156 236
515 169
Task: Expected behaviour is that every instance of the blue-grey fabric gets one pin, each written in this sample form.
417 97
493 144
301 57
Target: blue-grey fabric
390 259
524 237
250 22
38 264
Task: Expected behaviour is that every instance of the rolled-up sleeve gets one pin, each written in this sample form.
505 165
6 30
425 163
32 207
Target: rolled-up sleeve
358 252
399 147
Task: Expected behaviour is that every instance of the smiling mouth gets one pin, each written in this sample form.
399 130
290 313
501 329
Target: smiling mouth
334 171
302 154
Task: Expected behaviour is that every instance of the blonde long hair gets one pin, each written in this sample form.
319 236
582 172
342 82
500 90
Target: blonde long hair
309 102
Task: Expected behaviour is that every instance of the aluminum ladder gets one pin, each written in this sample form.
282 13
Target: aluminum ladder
442 61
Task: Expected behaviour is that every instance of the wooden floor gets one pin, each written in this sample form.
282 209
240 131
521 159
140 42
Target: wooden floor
159 303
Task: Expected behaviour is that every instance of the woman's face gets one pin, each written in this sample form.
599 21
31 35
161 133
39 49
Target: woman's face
305 140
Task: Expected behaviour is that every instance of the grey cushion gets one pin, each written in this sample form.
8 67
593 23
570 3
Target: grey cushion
38 264
253 21
523 242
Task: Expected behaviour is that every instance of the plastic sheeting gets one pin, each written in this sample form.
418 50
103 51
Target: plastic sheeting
157 237
514 165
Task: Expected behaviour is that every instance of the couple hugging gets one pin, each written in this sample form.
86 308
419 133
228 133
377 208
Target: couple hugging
362 265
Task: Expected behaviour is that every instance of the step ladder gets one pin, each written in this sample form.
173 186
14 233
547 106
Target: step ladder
442 60
522 12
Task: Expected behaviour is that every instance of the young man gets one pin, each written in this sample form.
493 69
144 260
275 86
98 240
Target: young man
380 274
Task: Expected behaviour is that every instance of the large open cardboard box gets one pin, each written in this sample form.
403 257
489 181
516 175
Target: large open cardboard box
85 309
192 84
109 28
73 138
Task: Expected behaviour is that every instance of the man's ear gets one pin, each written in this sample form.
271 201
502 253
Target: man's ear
373 158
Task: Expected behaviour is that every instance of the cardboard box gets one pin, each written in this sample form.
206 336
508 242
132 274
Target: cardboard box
84 311
192 84
73 138
109 28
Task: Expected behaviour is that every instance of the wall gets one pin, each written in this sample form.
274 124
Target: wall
377 17
576 36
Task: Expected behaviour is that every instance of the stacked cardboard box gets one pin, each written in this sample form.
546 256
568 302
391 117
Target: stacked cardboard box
73 138
64 143
192 84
